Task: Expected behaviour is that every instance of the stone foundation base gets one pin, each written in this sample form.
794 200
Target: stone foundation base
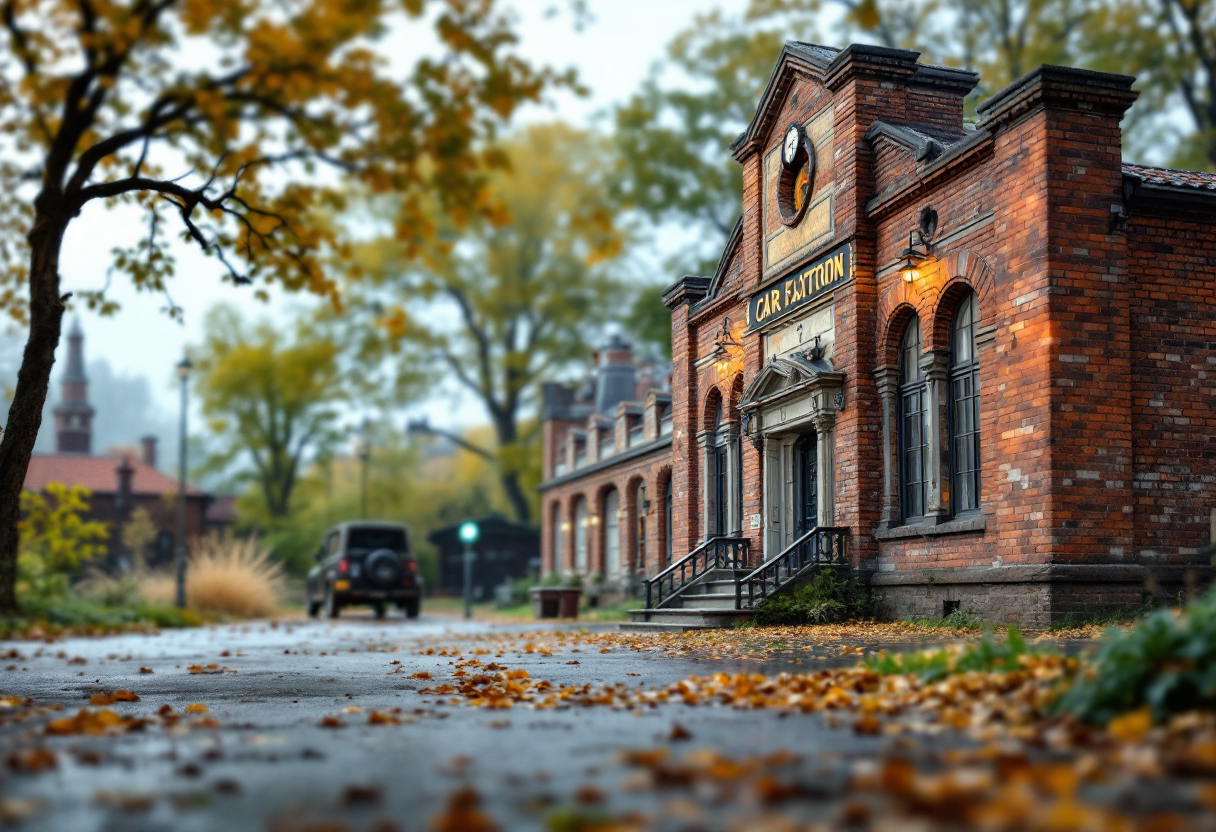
1033 597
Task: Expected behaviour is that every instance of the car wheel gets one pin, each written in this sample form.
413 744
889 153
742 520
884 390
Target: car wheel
314 607
412 608
378 610
332 609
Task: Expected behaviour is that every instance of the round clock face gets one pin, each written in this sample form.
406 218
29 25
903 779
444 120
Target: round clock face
790 148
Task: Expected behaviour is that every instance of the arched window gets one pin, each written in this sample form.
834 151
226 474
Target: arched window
558 555
913 439
667 520
965 406
639 513
580 536
612 534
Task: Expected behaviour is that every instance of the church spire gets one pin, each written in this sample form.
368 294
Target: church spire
74 416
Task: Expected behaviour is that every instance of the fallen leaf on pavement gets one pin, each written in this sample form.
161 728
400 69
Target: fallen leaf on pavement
196 708
33 760
463 814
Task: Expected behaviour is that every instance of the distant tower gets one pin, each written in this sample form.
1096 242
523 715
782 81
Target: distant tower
74 416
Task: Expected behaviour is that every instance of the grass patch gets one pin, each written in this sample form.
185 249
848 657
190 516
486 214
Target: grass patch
1117 617
988 655
77 616
957 620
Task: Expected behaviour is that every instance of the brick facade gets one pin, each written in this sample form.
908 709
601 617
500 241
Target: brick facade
1094 344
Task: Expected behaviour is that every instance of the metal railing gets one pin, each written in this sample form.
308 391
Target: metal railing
720 552
822 545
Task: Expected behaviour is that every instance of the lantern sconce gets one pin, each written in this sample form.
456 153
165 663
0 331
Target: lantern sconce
926 229
723 345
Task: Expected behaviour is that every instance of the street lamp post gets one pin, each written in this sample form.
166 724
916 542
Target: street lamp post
469 533
183 374
363 447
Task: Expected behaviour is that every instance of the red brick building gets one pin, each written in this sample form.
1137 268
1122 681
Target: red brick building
983 352
121 481
606 495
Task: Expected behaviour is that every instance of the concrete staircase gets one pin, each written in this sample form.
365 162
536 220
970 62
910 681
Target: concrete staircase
706 604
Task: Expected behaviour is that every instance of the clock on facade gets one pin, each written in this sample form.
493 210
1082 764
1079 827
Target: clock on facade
797 176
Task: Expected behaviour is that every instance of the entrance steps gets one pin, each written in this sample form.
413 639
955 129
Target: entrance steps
709 604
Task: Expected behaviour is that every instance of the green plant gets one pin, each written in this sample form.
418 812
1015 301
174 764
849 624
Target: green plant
957 620
552 579
989 655
826 599
1167 662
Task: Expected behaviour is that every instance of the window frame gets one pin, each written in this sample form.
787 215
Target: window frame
969 371
914 383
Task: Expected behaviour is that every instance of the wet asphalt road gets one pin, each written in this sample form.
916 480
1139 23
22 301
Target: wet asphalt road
271 765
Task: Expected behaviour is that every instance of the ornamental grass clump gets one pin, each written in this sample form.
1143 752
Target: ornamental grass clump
226 576
1167 662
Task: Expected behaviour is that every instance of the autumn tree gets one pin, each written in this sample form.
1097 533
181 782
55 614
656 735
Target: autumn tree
673 136
232 123
514 299
55 538
271 400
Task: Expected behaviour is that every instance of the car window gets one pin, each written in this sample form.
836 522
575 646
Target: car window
367 540
332 545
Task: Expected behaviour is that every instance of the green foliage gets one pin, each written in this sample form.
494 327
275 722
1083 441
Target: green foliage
270 399
824 600
957 620
513 304
1167 662
988 656
68 614
55 540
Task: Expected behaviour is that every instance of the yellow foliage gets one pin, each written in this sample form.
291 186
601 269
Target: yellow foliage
52 530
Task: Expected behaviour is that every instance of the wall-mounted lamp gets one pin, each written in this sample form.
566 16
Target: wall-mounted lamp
926 228
723 345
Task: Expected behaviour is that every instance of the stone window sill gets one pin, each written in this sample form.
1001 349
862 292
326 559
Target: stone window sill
961 524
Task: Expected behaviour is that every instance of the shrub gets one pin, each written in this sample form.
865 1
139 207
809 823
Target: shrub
1167 662
824 600
225 576
956 620
54 540
988 656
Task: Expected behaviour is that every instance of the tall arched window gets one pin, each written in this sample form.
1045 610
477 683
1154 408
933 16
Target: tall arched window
612 534
667 521
639 513
558 553
913 439
965 406
580 536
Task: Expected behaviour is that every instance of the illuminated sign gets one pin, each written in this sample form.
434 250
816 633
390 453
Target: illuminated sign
806 283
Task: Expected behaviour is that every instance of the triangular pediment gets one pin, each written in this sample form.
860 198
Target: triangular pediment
796 57
789 373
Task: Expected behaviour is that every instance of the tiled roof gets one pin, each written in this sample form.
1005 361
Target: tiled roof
98 473
1197 180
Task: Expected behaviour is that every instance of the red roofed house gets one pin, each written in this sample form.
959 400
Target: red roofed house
120 481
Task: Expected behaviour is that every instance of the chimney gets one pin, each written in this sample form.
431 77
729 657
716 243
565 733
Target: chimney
125 473
148 446
616 376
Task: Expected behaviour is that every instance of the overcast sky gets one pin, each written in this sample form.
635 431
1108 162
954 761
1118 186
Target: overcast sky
612 53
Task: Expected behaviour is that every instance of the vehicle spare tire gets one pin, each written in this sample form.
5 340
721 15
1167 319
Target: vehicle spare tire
382 568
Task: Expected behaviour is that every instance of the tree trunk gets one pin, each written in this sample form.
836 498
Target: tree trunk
517 497
33 380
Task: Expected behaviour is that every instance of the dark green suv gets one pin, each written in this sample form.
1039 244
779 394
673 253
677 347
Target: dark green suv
365 563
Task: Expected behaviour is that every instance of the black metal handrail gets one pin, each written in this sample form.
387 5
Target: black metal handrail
821 545
720 552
